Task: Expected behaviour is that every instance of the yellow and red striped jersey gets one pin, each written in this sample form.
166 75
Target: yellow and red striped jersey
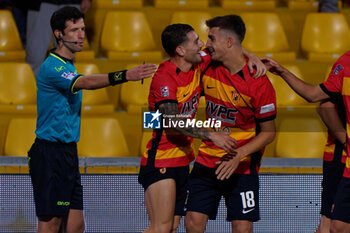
169 148
334 150
240 102
338 82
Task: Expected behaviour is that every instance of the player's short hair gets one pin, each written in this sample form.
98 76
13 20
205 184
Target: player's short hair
233 23
61 16
173 36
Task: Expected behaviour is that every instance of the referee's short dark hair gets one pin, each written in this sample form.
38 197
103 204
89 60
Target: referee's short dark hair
232 23
173 36
61 16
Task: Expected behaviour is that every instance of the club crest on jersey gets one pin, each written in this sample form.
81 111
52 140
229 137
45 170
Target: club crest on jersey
162 170
235 97
337 69
68 75
164 91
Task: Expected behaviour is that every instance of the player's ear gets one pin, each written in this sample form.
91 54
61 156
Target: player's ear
180 51
230 41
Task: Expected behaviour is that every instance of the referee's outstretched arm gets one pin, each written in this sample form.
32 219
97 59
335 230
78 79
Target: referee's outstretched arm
96 81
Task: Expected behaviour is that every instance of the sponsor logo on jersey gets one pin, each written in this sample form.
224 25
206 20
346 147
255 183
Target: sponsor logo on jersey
267 108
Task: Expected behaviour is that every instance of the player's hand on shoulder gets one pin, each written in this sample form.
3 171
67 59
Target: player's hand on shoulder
141 72
255 63
224 141
273 66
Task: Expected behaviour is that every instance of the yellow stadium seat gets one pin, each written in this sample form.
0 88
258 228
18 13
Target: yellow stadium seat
325 36
134 95
17 88
126 36
248 4
285 96
11 48
146 136
181 4
20 136
87 54
328 71
265 36
306 5
195 19
301 138
101 137
94 101
269 151
116 4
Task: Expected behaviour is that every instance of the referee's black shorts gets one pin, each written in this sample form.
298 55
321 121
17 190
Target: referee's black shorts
54 170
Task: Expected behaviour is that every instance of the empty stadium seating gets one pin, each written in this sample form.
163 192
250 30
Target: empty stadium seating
134 95
181 4
306 5
265 36
11 48
299 137
146 136
328 71
117 4
20 136
17 88
194 18
285 96
94 101
325 36
127 36
101 137
248 4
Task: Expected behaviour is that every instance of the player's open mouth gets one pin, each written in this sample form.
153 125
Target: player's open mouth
210 50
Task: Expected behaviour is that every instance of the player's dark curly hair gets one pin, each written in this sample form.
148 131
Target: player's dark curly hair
61 16
173 36
232 23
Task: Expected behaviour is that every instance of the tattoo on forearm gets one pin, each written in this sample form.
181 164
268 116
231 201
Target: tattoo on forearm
171 111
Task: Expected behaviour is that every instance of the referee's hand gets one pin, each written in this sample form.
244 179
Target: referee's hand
141 72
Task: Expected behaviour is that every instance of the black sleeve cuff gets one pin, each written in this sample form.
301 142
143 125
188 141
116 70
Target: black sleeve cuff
165 101
334 96
269 118
71 88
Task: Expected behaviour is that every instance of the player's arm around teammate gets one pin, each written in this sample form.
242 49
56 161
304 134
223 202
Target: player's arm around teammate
220 139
